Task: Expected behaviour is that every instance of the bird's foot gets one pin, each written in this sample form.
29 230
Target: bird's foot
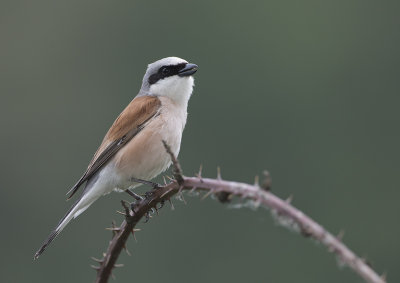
162 202
148 194
137 199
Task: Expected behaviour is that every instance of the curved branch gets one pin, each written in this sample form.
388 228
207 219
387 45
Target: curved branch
254 193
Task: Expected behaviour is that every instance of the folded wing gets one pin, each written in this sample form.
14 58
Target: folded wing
129 123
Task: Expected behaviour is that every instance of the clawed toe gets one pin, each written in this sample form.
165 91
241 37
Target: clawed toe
162 202
147 195
147 216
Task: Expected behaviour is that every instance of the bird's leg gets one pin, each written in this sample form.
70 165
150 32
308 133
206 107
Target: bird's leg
134 195
146 194
153 184
150 183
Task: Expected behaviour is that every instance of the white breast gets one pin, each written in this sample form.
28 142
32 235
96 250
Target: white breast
145 157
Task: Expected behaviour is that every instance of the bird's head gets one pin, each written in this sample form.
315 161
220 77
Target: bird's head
170 77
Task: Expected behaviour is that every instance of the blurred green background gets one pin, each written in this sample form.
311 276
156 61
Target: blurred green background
306 89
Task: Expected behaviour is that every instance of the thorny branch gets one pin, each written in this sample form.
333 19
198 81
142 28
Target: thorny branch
260 196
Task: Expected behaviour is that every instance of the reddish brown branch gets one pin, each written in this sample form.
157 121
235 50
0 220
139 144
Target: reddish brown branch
127 227
224 190
254 193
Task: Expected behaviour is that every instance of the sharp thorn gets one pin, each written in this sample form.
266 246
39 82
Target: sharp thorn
95 267
219 173
183 199
256 181
340 235
164 194
122 213
126 250
180 195
289 199
207 194
118 265
134 230
198 175
172 205
267 181
116 229
97 260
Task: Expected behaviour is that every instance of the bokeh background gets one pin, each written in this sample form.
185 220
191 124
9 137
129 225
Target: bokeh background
306 89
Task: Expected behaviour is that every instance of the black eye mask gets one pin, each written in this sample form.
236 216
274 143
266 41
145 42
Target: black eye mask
166 71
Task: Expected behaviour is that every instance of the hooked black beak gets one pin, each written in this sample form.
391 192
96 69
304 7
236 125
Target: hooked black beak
189 70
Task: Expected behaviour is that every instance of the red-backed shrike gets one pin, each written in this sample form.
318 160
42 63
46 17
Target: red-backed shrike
132 147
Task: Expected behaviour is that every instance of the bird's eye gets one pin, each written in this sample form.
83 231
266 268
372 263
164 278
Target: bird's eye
165 71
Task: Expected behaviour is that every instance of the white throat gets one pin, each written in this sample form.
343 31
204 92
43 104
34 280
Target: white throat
178 89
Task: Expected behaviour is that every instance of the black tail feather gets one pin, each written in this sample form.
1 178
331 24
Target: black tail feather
51 237
55 232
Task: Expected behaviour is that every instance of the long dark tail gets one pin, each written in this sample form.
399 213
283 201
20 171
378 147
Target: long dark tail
77 208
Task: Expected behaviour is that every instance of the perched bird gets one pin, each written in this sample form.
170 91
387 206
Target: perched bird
132 148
